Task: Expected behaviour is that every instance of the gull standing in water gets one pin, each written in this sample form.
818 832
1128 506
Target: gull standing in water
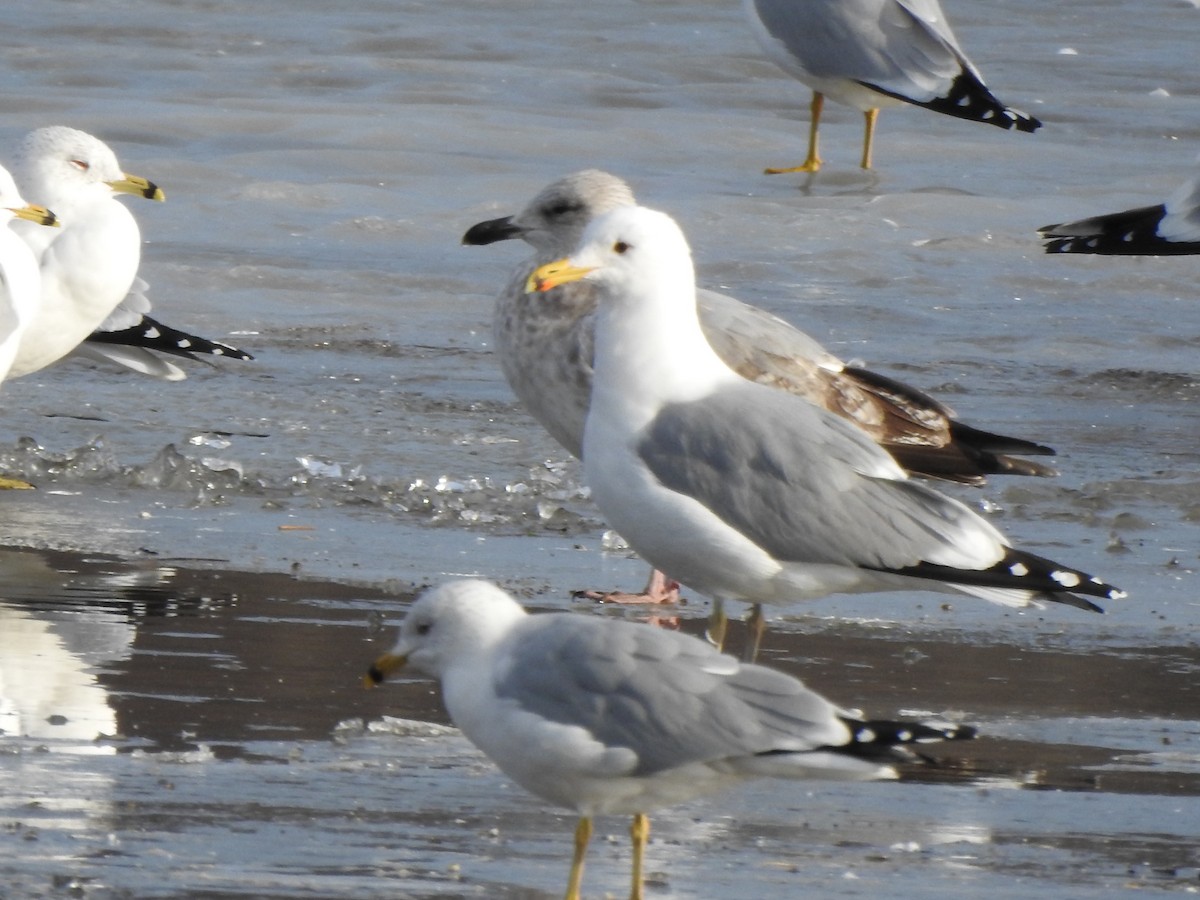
89 268
20 282
1168 229
748 493
609 717
545 348
874 53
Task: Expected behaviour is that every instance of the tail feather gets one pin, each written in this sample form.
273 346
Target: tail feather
926 440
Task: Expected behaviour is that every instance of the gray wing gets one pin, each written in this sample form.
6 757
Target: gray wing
669 697
767 350
904 48
129 311
746 336
807 486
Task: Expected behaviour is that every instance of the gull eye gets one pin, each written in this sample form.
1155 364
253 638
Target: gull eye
424 628
561 209
80 164
620 247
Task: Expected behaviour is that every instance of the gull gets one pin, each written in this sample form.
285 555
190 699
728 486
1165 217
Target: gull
20 282
89 268
1168 229
748 493
874 53
545 348
610 717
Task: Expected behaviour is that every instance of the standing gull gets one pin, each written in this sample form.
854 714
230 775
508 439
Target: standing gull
89 268
20 282
748 493
1168 229
874 53
610 717
545 348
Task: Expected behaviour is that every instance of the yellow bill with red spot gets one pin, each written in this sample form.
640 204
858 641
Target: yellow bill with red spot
552 274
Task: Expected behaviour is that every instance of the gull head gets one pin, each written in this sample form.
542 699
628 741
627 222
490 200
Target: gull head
12 202
554 221
454 622
64 166
631 252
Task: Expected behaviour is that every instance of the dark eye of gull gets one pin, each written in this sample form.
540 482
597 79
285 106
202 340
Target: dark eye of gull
620 247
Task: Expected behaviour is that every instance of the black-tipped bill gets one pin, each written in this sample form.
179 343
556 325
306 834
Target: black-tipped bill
491 231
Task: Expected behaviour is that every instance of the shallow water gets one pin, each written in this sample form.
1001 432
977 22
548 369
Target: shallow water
172 732
320 167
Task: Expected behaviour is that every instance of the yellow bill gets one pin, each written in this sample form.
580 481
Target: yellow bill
552 274
34 213
138 186
382 668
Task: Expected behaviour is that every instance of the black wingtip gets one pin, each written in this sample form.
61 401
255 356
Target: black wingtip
1021 571
1133 232
969 98
882 739
150 334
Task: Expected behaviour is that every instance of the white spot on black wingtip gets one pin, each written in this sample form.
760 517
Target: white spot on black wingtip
904 736
1066 579
865 736
1019 569
151 333
183 343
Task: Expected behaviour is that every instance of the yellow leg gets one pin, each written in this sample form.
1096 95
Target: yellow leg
869 136
757 623
718 625
639 831
583 834
12 484
813 162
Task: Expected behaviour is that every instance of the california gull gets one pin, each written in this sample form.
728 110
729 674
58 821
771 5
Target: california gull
611 717
874 53
545 350
747 493
1168 229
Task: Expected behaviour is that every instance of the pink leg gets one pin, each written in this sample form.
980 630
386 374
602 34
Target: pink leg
659 590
